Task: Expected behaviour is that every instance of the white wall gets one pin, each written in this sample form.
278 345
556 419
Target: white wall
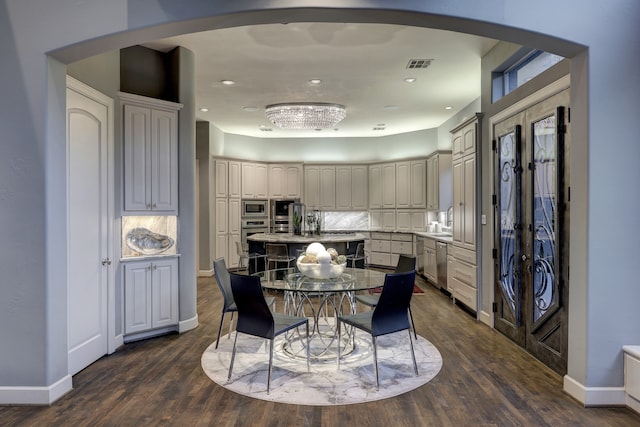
605 107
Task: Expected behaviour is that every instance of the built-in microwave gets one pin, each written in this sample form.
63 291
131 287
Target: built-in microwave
253 208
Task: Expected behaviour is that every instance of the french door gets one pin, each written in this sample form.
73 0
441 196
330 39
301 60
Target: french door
531 240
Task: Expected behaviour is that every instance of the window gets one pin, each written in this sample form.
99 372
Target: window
521 68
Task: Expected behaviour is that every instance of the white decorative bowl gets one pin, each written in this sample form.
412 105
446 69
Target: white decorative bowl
321 271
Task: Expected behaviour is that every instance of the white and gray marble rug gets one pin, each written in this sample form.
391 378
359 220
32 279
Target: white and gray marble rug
323 384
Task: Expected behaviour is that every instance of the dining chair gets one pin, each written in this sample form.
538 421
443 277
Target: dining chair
245 255
358 255
256 319
228 303
405 263
389 315
278 253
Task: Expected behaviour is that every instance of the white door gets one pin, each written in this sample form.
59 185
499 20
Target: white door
89 216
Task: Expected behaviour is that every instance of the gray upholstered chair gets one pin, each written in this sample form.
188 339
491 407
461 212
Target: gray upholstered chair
255 318
228 303
405 263
388 316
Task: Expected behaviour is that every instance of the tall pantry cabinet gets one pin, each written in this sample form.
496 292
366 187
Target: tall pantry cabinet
463 260
149 200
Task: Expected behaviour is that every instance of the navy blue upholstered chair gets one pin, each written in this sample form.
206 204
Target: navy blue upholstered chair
405 263
388 316
228 303
255 318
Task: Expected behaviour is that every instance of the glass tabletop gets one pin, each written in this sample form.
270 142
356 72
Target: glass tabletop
290 279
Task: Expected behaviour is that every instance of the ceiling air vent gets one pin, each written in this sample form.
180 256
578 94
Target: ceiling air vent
266 129
418 63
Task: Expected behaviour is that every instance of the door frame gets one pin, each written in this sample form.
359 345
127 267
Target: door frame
113 340
554 88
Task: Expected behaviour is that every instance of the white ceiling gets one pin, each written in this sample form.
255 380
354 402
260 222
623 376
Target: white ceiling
362 66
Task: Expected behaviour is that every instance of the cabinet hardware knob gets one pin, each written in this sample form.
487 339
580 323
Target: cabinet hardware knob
106 261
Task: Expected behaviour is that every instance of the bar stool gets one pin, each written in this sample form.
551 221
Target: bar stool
278 253
244 254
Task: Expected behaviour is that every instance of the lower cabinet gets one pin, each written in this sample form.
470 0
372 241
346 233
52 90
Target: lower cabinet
387 247
150 297
461 277
430 266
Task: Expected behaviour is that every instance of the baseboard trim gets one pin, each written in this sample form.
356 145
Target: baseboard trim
36 395
205 273
187 325
594 396
486 318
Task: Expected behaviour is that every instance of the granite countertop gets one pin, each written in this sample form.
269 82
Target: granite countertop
290 238
443 237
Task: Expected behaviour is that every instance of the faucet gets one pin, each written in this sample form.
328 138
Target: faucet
450 216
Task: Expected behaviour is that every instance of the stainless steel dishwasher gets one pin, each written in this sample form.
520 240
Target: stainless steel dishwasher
441 264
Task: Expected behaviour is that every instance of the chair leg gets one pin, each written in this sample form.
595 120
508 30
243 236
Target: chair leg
375 361
270 363
230 326
339 341
413 354
220 329
413 325
233 357
308 342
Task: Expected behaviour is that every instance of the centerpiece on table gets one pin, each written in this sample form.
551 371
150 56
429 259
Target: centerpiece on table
320 263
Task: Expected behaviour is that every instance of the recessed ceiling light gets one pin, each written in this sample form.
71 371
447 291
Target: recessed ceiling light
227 82
390 107
410 79
250 109
315 82
204 110
448 107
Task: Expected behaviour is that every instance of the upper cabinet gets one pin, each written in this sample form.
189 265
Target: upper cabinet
439 182
285 181
320 187
398 185
150 151
352 187
254 180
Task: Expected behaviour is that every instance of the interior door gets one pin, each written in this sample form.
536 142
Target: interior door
89 217
531 289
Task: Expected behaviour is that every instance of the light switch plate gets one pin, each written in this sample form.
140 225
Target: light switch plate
483 218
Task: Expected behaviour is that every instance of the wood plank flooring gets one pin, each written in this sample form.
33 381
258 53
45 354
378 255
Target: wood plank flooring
485 381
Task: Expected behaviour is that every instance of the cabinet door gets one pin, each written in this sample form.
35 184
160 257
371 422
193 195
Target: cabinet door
458 196
137 297
389 185
261 183
403 185
343 187
232 259
164 161
276 181
433 196
328 187
248 180
403 220
234 216
469 202
137 168
375 220
221 174
312 186
418 184
234 180
164 293
221 216
359 187
293 181
375 186
389 219
418 220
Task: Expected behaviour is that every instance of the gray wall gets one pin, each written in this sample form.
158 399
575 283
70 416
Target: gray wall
32 161
204 190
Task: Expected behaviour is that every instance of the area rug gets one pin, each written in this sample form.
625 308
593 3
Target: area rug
324 384
416 290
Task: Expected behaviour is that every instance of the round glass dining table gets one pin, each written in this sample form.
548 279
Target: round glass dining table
322 301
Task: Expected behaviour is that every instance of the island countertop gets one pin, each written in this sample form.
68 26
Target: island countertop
291 238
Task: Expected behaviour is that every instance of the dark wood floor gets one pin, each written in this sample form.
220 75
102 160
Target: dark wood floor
485 381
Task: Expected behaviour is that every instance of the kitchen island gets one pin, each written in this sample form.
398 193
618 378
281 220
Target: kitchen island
344 243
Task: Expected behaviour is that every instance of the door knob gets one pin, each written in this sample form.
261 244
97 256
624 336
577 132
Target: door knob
106 261
524 257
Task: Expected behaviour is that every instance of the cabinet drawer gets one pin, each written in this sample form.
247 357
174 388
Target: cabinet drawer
430 243
402 247
465 294
378 258
462 254
463 272
380 236
381 245
402 237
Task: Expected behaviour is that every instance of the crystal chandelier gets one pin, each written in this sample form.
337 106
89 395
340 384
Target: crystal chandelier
305 115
